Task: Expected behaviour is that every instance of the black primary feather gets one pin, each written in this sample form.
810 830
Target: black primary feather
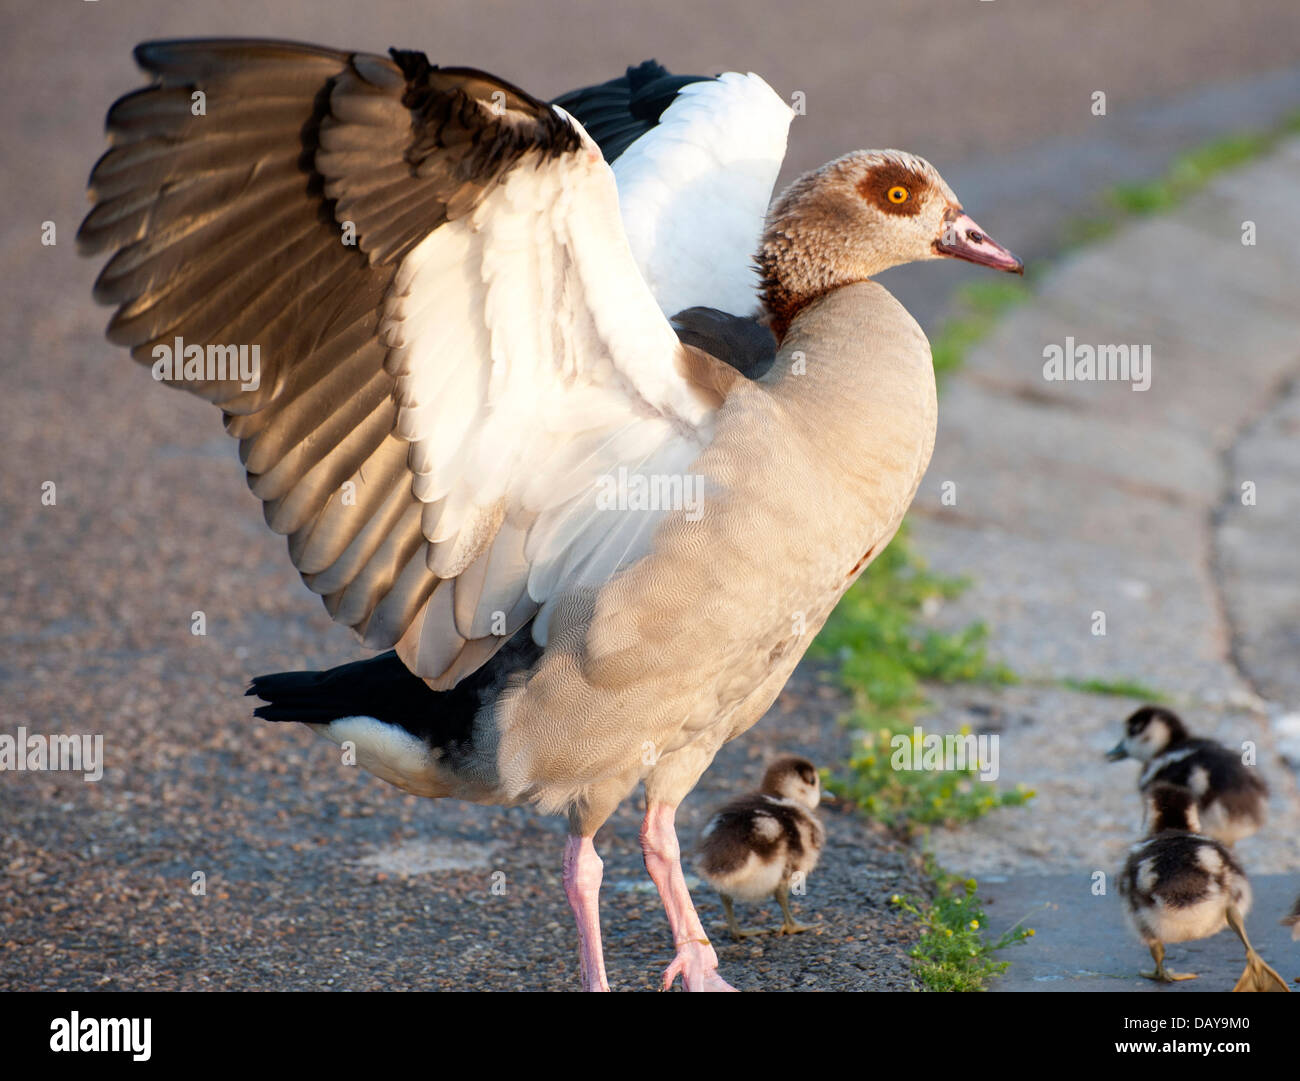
619 112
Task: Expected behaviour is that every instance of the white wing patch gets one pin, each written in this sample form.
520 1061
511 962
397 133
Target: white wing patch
533 368
694 192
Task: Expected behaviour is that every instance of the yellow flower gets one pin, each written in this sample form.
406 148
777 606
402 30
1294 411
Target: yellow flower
974 925
1031 932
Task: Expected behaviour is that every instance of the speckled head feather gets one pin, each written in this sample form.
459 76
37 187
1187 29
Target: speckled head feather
838 225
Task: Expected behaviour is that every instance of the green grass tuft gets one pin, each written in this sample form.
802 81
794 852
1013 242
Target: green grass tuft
1121 688
884 656
902 798
1188 174
883 653
953 954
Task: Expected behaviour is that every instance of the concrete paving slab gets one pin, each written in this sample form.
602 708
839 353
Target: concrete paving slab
1086 811
1039 599
1081 943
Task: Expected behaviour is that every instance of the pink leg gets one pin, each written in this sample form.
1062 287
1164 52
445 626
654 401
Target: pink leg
582 875
696 962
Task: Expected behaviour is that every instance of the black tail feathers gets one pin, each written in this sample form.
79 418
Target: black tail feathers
380 687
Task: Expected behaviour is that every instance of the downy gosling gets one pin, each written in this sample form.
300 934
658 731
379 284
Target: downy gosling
756 845
1178 885
1230 795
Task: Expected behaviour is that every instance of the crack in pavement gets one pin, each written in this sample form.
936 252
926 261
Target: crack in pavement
1218 573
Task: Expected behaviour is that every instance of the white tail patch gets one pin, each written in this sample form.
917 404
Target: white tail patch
390 752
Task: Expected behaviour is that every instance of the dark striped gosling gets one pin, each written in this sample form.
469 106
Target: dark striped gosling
1178 886
1230 796
754 846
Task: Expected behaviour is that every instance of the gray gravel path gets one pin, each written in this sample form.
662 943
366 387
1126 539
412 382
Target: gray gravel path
319 876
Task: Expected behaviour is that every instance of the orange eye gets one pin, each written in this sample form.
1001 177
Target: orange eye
897 194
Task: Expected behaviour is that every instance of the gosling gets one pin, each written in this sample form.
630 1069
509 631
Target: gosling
1178 885
755 846
1230 796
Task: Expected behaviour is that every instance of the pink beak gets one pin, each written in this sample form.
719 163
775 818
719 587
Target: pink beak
963 239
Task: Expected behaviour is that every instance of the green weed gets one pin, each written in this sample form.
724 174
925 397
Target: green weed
884 655
953 953
1123 688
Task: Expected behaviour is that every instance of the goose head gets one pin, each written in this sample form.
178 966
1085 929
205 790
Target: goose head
857 216
1147 732
793 778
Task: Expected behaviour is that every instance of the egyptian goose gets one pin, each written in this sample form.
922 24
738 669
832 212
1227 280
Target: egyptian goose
593 553
1231 797
1178 885
755 846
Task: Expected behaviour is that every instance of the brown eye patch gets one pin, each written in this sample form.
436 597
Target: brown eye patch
894 188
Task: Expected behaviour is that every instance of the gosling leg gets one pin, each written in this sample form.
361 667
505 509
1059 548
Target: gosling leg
788 924
1162 974
1257 976
737 932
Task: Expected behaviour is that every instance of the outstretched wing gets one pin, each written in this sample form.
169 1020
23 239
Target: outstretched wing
696 159
461 367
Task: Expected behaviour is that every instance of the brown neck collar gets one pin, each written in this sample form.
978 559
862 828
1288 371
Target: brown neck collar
781 303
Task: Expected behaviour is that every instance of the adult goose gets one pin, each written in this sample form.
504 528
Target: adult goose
593 552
